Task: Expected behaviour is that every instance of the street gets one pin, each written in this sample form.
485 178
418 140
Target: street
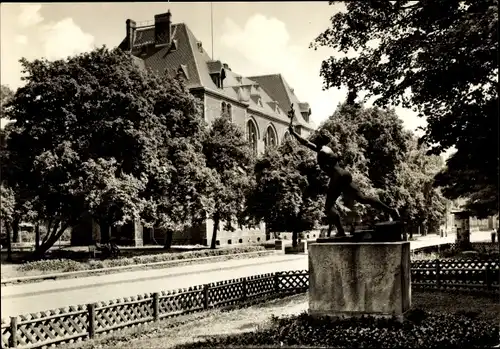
40 296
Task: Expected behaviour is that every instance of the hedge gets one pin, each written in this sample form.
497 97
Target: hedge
67 265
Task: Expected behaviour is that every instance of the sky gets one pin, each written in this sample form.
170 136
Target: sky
253 38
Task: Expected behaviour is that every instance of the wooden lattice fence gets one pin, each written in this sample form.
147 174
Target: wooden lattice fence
81 322
458 274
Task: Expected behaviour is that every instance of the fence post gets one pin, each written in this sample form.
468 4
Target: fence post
206 287
487 277
13 331
156 306
438 276
244 289
91 319
277 283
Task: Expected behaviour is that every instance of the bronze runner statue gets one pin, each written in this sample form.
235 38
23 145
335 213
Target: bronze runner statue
340 181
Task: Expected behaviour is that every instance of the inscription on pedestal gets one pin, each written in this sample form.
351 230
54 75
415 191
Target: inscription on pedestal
353 279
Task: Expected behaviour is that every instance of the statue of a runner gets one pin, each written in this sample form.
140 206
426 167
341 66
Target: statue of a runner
340 181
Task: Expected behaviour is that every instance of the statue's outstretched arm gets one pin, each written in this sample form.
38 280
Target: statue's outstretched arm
303 141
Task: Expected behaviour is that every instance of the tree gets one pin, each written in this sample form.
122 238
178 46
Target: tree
228 153
385 160
425 206
289 189
365 138
6 94
439 58
180 190
180 197
95 133
18 206
6 215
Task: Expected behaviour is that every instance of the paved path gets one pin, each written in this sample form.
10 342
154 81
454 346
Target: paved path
33 297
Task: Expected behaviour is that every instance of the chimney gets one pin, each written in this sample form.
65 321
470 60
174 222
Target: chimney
163 29
130 34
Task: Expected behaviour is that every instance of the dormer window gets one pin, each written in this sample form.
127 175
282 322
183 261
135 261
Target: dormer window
218 78
183 71
259 102
305 111
275 106
217 73
306 117
173 46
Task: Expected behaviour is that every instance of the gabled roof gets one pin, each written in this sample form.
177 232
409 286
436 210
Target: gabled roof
276 86
167 59
269 94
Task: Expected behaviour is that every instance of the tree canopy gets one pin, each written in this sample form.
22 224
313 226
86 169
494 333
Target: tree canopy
228 153
6 94
386 161
439 58
95 133
289 189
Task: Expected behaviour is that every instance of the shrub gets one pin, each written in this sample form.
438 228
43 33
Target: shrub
96 264
419 330
54 265
65 265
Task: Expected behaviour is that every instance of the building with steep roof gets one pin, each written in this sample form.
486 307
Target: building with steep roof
258 104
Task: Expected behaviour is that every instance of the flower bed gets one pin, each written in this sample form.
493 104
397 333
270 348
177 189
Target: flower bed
420 329
67 265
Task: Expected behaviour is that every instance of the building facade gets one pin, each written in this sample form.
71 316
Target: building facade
258 104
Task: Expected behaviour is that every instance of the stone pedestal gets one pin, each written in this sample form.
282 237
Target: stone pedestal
359 278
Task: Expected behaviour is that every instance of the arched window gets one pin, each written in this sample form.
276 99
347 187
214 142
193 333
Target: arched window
226 111
286 136
270 140
252 135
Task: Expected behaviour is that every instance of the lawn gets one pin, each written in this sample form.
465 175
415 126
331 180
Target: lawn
189 329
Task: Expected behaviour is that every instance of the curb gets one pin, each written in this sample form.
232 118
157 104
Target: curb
90 272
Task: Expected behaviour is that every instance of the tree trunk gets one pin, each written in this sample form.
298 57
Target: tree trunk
37 237
15 231
295 237
105 229
9 241
50 239
168 239
214 233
